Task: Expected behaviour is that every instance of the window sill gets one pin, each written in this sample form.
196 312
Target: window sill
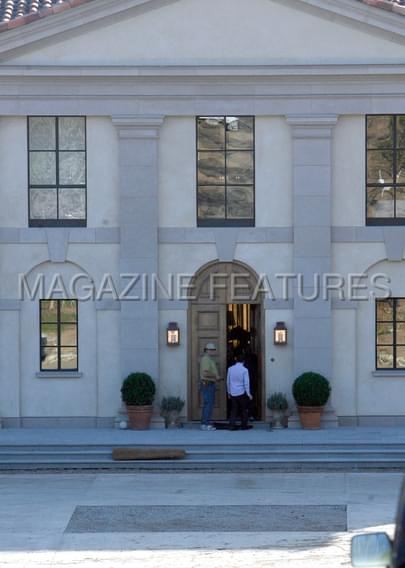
58 375
399 373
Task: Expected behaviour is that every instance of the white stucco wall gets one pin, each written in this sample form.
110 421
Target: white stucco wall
377 395
173 361
14 174
348 172
218 31
279 371
273 145
10 363
177 172
344 363
102 172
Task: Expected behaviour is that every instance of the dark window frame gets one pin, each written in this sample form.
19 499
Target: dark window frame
57 222
384 221
59 346
395 344
251 222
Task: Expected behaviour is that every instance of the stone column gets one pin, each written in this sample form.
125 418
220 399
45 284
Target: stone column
138 196
312 195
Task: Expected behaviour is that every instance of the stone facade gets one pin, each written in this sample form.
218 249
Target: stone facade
309 73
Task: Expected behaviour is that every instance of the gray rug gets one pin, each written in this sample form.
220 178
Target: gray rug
229 518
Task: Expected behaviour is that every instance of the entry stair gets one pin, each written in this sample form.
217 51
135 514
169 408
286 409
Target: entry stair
210 451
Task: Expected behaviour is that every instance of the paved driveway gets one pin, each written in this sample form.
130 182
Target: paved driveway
190 520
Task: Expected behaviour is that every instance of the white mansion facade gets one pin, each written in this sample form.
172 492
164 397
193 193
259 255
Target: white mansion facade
170 144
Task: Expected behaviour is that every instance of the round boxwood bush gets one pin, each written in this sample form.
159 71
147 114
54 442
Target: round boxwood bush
311 389
138 389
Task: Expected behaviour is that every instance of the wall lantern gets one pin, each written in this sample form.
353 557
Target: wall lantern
173 333
280 333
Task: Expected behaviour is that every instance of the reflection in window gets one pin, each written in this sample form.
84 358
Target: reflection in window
57 170
225 170
390 333
58 341
385 169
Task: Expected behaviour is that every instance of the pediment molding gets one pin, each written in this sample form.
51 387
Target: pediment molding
381 23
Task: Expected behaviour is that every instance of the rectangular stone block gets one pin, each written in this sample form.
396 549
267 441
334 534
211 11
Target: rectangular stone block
316 152
312 180
316 359
312 241
310 211
140 333
142 360
313 333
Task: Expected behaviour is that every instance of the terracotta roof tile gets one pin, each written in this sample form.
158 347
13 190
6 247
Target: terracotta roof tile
397 6
15 13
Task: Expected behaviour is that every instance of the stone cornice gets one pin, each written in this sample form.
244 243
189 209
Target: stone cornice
197 72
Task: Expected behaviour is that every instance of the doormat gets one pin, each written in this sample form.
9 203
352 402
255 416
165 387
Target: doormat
216 518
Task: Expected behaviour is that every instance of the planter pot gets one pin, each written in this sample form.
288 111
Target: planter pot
172 419
310 417
277 419
139 417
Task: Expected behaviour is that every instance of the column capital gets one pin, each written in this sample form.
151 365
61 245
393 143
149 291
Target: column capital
312 126
138 126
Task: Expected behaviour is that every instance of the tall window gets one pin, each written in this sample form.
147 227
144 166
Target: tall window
385 169
225 171
57 171
390 333
58 341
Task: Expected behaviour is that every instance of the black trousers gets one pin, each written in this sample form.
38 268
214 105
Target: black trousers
239 405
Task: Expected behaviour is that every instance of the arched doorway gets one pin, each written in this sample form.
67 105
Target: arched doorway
226 309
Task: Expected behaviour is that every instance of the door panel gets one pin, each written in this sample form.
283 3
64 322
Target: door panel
208 324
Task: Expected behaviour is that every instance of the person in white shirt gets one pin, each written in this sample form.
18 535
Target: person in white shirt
238 387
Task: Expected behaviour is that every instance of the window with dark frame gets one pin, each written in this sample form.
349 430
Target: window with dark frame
385 169
390 333
57 173
225 171
58 335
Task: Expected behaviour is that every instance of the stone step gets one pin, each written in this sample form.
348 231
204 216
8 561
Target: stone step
217 452
209 446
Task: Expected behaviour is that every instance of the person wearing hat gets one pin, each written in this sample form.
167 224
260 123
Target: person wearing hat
208 378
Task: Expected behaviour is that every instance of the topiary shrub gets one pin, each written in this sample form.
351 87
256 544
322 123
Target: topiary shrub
277 401
138 389
311 389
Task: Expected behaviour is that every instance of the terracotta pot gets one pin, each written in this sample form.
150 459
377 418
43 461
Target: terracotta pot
310 417
139 417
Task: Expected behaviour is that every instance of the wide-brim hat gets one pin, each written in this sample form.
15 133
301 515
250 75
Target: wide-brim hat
211 347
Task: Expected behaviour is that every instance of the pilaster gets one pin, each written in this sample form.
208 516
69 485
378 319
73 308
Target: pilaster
312 194
138 196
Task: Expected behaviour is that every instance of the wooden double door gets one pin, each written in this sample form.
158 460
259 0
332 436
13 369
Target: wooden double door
230 327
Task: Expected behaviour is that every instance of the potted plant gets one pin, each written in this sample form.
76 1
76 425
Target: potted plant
278 405
170 409
138 391
311 392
